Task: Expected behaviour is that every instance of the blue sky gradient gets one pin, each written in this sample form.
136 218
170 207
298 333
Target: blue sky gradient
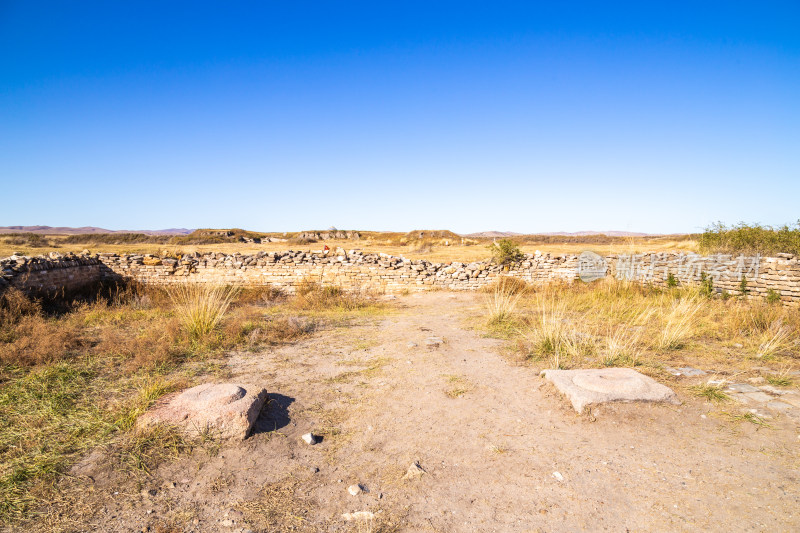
399 115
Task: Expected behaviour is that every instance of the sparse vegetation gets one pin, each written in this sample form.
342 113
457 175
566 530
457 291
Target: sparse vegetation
76 374
712 393
706 285
750 239
773 296
617 323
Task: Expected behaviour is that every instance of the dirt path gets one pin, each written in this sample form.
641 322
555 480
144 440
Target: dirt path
489 434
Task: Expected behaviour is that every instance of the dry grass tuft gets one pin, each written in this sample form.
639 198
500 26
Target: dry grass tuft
551 334
774 340
623 344
199 307
501 302
617 323
712 393
678 324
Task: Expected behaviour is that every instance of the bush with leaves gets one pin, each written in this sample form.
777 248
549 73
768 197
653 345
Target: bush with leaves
505 251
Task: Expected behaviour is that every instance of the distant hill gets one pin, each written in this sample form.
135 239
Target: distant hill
501 234
63 230
491 234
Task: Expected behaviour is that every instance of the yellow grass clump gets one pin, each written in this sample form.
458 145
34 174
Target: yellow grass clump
201 307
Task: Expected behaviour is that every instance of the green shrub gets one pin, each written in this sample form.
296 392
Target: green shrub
773 296
505 251
743 286
672 281
706 285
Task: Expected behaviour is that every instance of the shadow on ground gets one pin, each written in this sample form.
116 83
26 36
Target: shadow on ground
274 415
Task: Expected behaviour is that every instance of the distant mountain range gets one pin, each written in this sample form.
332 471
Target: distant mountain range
61 230
499 234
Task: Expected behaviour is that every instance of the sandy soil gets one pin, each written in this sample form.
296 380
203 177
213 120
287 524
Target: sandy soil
489 433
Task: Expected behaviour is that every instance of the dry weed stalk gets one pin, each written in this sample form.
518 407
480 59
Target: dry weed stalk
774 340
679 326
623 342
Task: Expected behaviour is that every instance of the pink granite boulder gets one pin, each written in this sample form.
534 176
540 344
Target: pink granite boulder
226 410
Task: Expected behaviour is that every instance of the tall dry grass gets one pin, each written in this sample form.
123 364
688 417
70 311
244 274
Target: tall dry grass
679 324
501 302
201 307
617 323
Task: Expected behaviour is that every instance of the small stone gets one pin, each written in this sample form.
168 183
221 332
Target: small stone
691 372
756 380
314 469
310 438
412 344
358 515
227 523
355 490
433 342
738 345
558 476
414 471
740 387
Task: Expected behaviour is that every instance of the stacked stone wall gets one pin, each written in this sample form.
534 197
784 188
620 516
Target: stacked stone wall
380 272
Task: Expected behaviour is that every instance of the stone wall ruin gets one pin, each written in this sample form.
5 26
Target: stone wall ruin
380 272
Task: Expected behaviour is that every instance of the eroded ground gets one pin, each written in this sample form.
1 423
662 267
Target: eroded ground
488 432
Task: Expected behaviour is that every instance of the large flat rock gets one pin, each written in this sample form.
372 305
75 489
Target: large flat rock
226 410
595 386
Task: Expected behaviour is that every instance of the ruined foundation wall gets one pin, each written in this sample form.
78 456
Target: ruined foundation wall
380 272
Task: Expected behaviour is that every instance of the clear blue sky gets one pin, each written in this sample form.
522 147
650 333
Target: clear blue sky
275 116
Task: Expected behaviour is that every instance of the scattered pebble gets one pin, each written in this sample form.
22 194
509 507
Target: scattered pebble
433 342
359 515
354 490
310 438
412 344
414 471
558 476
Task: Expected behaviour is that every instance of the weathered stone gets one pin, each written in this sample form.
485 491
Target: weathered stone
310 438
226 410
759 396
741 387
596 386
433 342
354 490
777 405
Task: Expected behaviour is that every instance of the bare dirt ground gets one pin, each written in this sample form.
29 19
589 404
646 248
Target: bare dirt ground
488 432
